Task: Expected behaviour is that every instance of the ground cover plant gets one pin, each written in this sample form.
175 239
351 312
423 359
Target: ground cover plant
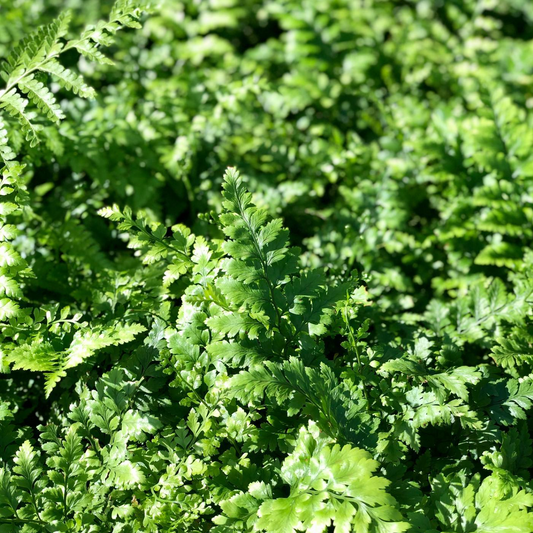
266 266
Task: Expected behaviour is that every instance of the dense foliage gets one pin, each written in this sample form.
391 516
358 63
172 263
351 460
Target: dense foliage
266 265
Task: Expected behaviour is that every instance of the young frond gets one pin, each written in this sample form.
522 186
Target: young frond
267 297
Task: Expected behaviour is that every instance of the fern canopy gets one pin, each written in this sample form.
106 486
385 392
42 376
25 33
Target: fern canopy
266 266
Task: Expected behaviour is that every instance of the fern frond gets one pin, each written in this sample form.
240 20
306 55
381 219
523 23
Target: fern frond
510 400
68 79
9 287
260 275
87 343
9 257
520 398
513 351
502 254
339 481
40 356
6 152
8 309
485 505
442 383
39 51
125 13
28 478
43 98
252 238
91 51
15 105
10 494
295 387
35 47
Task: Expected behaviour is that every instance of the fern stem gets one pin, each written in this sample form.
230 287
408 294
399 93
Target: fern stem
21 521
355 348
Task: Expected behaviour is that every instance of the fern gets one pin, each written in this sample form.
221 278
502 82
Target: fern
329 485
48 489
509 459
192 369
453 381
43 99
68 79
6 152
513 351
41 356
267 299
66 472
124 14
485 505
36 54
520 398
150 240
16 105
27 478
39 52
316 393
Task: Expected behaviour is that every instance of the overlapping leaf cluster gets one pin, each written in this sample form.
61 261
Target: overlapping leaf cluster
337 336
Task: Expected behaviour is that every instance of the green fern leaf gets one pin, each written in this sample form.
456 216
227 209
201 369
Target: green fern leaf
85 344
484 505
39 356
6 152
500 254
15 105
513 351
330 485
125 13
68 79
39 52
9 287
8 309
28 478
10 495
41 96
510 400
